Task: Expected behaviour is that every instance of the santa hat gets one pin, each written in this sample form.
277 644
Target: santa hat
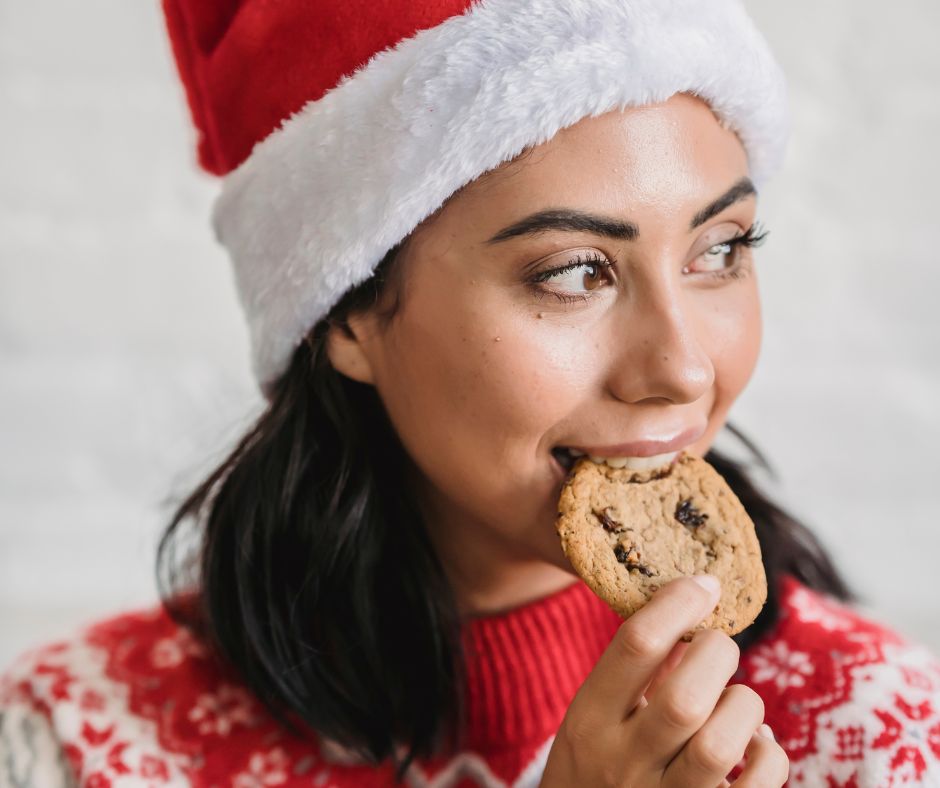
339 125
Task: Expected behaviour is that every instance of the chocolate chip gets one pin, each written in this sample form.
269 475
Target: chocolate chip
609 523
630 558
688 515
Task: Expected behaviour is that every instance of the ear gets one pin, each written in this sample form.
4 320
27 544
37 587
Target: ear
347 354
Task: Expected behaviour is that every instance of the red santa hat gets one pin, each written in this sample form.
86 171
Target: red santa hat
339 125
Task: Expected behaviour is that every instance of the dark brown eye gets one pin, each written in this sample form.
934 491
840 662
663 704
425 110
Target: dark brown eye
593 278
579 277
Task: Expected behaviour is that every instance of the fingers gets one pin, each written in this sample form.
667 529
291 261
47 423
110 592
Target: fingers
767 763
642 642
719 745
688 697
666 667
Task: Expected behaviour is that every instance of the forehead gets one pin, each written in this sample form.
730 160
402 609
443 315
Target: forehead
668 155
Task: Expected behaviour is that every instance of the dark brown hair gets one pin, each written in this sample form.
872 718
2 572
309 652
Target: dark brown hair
311 574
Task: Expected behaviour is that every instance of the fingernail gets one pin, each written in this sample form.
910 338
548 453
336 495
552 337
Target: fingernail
765 731
709 582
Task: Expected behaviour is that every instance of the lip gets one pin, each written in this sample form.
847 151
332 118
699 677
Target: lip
646 448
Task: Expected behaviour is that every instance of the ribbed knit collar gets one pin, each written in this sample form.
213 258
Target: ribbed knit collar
525 665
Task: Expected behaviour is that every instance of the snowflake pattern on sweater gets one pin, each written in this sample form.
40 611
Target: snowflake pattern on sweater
136 701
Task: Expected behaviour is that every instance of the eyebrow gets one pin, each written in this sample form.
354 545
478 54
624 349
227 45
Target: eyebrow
570 220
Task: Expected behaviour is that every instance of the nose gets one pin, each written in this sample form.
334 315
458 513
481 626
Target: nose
661 354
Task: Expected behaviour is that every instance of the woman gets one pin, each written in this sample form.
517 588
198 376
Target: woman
546 249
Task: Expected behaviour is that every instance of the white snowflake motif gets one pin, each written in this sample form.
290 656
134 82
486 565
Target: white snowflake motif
816 610
218 713
786 668
264 768
170 652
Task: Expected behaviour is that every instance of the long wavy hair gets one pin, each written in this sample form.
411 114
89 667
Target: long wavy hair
307 567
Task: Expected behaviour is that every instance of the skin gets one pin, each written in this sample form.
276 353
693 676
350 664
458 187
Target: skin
482 373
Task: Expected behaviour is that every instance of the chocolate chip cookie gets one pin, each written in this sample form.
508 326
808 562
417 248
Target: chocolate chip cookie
629 532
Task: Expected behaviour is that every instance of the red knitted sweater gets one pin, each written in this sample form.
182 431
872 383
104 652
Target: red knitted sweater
135 701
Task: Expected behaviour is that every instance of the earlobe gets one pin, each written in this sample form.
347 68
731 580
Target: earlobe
347 355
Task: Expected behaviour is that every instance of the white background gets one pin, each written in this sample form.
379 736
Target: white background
123 356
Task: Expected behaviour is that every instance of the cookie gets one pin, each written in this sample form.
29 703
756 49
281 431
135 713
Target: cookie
626 533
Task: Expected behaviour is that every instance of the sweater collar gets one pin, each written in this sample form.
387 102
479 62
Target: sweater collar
525 665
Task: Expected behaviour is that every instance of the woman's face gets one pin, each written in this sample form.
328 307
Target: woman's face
509 344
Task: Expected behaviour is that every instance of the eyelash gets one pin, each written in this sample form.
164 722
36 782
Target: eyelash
749 239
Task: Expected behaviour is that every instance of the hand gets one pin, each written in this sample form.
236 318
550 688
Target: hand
654 712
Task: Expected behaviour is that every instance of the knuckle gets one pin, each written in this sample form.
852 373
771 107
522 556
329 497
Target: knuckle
681 708
746 700
721 644
586 744
638 642
714 751
580 732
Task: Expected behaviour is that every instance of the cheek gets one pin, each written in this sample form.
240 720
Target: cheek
475 391
476 377
734 335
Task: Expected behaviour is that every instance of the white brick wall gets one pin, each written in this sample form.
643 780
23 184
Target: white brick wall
123 356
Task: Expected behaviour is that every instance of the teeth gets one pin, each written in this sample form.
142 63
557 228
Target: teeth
632 463
637 463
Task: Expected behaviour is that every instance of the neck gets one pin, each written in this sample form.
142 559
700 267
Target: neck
488 572
516 585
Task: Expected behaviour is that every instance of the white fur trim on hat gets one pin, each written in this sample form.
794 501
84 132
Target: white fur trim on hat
319 202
